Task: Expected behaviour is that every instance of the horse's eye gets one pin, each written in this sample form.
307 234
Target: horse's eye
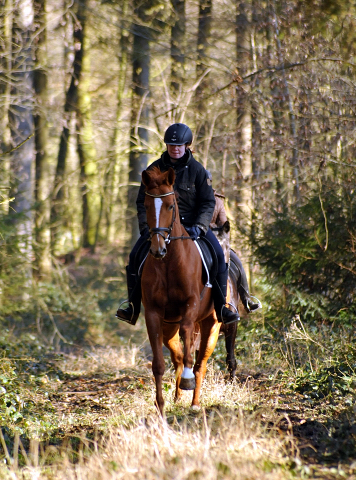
170 207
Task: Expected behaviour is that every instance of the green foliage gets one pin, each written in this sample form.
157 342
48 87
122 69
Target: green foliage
310 251
26 372
14 263
338 379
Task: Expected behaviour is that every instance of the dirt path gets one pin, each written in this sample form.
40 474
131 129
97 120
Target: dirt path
325 432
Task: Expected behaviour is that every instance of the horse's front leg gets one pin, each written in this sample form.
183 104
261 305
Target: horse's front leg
172 342
210 329
187 380
155 334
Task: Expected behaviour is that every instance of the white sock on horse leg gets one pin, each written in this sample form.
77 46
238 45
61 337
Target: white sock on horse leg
188 373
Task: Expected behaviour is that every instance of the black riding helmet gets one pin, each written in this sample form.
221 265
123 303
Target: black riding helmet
178 134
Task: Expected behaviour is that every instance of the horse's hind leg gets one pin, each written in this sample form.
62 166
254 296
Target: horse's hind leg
155 334
230 337
172 342
231 329
209 336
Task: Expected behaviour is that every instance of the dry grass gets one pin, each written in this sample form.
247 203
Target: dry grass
233 436
103 360
211 446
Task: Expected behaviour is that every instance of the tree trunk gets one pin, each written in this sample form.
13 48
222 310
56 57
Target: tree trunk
177 47
85 140
140 112
203 41
244 126
277 105
42 178
5 86
116 170
244 121
21 123
292 119
70 106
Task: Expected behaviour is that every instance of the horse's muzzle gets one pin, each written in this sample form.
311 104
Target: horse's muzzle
159 254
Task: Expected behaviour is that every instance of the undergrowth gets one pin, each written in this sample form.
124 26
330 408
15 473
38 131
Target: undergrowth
77 394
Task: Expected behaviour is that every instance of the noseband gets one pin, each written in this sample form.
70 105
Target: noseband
163 230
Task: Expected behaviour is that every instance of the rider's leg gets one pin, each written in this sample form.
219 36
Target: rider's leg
242 286
220 284
131 313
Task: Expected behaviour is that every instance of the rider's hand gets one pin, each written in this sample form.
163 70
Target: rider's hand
194 231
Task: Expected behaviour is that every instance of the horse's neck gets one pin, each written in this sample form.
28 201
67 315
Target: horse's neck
178 230
180 245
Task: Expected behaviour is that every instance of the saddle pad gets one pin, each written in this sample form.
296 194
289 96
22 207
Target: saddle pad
210 257
206 248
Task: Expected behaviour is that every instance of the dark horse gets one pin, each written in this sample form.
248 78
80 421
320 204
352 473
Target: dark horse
173 293
222 233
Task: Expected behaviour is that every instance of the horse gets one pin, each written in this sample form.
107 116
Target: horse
173 291
222 233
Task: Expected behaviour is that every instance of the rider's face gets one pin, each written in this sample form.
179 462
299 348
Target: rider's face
176 151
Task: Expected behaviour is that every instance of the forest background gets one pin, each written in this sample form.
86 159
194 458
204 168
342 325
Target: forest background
87 90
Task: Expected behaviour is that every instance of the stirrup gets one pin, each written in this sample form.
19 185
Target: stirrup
257 301
130 321
237 312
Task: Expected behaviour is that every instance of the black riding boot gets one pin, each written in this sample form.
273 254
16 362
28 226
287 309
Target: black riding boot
246 300
219 293
131 313
242 285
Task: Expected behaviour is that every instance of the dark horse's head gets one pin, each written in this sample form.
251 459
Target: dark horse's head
160 207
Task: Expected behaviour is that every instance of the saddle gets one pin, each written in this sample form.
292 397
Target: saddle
234 270
209 259
205 248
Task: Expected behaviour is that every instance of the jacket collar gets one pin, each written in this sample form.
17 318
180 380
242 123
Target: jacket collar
178 165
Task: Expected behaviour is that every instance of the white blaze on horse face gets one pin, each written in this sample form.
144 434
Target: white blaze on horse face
158 206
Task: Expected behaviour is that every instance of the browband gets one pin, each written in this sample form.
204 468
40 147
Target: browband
160 195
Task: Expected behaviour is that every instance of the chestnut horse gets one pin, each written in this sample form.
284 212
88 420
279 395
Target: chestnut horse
173 292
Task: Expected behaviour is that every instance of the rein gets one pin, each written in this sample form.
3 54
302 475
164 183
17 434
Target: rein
162 230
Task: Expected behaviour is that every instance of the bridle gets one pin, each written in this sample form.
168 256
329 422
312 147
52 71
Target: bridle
163 230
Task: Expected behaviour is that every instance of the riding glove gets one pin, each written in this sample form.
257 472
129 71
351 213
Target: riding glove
194 231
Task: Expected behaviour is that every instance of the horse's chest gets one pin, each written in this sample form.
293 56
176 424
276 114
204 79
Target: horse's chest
168 284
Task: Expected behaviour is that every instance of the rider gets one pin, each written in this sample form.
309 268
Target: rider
196 203
219 218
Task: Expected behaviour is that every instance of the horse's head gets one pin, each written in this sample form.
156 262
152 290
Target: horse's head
160 207
223 235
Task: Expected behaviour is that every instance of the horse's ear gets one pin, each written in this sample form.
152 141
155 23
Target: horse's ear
145 178
226 226
171 176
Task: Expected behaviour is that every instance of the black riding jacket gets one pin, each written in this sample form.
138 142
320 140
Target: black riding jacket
196 200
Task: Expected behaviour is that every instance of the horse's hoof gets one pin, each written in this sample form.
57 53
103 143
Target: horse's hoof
187 383
195 408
